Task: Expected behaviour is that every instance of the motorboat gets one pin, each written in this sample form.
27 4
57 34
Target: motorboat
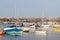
13 31
41 32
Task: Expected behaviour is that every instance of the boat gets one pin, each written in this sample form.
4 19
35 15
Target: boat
25 29
56 26
57 30
40 32
32 28
2 33
13 31
45 26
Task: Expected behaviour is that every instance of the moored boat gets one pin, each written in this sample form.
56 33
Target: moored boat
57 30
25 29
13 31
2 32
41 32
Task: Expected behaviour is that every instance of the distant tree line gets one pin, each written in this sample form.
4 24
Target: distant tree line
29 19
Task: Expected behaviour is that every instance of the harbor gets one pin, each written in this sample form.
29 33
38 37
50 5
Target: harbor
29 31
29 20
52 35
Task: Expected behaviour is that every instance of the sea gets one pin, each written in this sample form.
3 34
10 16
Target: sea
51 35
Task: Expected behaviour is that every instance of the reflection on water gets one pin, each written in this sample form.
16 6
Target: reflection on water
31 36
1 36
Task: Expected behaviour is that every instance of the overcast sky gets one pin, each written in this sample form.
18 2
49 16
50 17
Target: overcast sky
29 8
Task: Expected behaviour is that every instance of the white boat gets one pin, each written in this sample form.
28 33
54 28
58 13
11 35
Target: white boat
32 28
45 26
41 32
56 26
25 29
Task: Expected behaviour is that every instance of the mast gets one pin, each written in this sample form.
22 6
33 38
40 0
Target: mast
14 8
42 15
15 11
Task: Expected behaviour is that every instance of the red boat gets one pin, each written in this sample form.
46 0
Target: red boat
2 32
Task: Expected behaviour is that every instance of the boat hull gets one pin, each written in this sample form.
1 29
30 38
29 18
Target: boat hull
25 29
41 32
14 33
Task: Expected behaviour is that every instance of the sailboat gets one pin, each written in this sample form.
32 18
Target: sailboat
41 31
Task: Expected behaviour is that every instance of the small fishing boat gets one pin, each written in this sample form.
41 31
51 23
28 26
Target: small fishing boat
13 31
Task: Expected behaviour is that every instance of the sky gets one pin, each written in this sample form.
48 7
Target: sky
30 8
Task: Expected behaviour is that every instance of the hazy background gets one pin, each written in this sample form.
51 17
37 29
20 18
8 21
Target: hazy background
29 8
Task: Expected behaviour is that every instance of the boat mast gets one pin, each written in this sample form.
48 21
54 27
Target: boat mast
42 15
14 8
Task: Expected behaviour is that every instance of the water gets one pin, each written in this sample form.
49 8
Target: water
31 36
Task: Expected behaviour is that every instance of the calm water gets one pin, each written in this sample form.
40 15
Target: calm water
31 36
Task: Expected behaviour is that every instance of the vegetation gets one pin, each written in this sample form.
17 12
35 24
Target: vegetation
36 20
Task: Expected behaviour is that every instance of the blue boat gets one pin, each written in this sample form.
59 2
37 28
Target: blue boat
13 31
